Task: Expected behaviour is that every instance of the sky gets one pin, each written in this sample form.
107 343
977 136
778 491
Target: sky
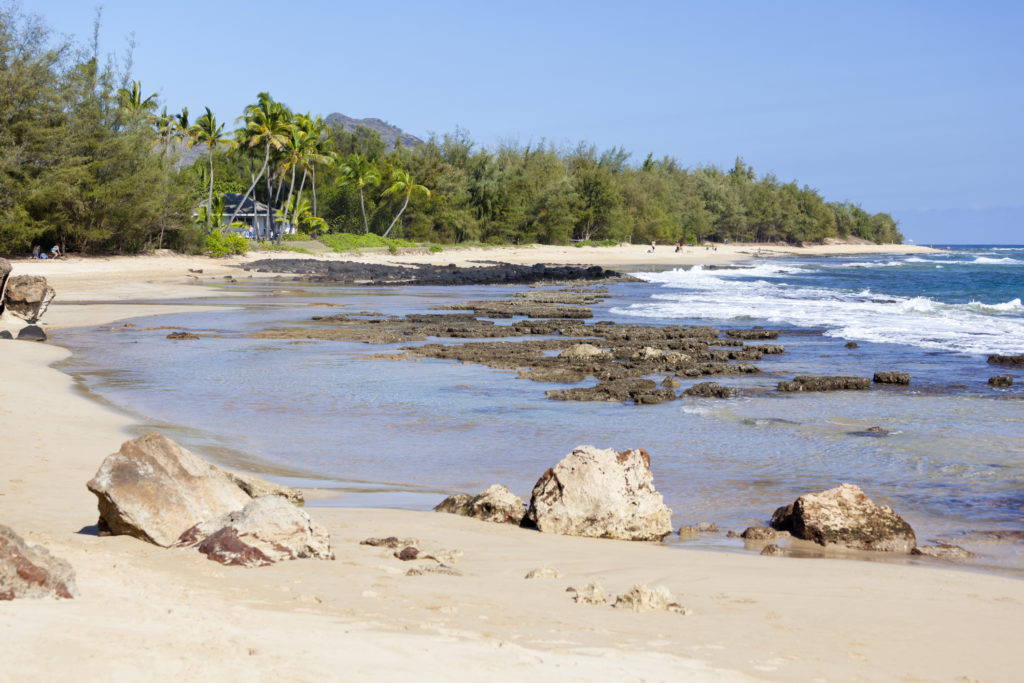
911 108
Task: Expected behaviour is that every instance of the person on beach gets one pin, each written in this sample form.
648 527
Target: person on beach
651 250
55 251
35 251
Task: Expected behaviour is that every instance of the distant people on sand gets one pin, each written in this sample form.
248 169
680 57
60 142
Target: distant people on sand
679 247
55 251
35 251
651 250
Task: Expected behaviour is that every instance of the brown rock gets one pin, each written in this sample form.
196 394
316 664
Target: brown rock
1007 360
27 296
183 335
845 516
591 594
407 553
772 549
268 529
256 487
810 383
892 378
1001 381
943 551
759 533
30 571
390 542
710 390
496 504
640 598
154 489
582 352
601 493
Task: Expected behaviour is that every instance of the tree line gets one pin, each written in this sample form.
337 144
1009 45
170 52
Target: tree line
88 163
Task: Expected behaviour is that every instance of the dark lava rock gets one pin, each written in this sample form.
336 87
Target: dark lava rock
710 390
875 431
759 533
752 334
852 345
1001 381
518 307
182 335
376 274
1007 360
811 383
892 378
769 348
32 333
638 390
5 334
943 551
845 516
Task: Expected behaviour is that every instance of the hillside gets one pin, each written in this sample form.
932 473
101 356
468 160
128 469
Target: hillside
387 132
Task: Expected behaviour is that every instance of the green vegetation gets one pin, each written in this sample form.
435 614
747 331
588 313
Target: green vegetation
344 241
87 163
219 244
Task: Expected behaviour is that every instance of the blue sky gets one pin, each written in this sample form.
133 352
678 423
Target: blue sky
912 108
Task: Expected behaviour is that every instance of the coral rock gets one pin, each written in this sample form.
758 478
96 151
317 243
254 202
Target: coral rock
601 493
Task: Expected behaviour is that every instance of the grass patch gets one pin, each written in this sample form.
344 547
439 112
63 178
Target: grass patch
596 243
346 241
269 246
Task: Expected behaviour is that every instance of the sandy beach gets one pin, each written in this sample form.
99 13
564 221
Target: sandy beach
146 612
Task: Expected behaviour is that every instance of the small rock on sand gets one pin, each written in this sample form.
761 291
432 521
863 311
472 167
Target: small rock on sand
544 573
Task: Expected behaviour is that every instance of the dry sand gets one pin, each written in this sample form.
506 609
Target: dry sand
156 614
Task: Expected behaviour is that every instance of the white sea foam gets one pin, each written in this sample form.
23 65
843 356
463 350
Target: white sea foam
863 316
1013 306
995 261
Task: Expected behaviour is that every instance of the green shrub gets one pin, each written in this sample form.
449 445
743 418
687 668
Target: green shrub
297 237
436 248
219 245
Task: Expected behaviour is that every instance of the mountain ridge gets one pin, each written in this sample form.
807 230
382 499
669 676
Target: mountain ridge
388 133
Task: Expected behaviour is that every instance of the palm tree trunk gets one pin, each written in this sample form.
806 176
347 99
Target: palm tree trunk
314 192
402 210
284 215
366 225
266 160
209 201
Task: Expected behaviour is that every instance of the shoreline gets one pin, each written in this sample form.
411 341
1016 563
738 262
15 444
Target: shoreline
168 612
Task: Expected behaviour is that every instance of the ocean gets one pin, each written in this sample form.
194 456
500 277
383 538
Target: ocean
375 432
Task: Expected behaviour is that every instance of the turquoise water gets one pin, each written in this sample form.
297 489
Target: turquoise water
408 433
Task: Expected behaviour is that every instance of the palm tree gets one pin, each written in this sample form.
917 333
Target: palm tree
131 100
206 131
402 182
266 125
359 172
